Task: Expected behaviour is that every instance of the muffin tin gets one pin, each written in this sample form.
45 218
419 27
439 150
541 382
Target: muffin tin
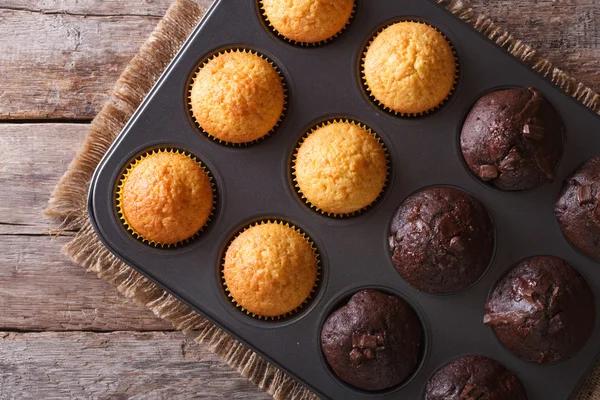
255 183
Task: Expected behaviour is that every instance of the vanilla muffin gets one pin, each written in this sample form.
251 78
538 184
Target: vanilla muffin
308 21
237 97
340 168
270 269
410 68
165 198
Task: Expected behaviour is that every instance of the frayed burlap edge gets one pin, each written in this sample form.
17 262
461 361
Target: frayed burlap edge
68 201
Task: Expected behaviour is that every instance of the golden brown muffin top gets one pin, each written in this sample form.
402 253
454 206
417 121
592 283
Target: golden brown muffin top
270 269
308 21
410 68
341 168
237 97
166 198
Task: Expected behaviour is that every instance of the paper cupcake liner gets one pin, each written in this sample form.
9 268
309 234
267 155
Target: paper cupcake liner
119 198
331 122
304 44
388 109
310 297
237 50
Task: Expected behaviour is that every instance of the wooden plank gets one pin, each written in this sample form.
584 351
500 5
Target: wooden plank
567 33
62 66
41 290
152 8
32 159
115 365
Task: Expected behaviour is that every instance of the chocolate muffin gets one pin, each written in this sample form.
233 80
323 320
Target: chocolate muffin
513 139
472 378
442 240
542 310
373 342
578 208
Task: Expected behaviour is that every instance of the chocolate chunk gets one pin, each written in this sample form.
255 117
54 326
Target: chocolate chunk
369 354
584 195
387 319
535 317
507 119
575 210
455 249
533 132
511 317
356 356
392 243
364 341
465 392
488 172
512 160
456 244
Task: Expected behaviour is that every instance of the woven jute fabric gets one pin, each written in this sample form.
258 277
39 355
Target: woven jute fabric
68 201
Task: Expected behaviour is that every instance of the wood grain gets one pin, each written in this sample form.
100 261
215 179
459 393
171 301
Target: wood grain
68 71
58 61
41 290
32 159
115 365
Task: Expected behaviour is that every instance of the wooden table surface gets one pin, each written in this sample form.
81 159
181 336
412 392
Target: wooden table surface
64 332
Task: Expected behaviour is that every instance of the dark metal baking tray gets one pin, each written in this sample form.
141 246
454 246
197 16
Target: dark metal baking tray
255 183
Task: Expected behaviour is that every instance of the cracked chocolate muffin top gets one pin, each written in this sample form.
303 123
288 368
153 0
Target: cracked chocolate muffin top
578 208
542 310
513 139
373 342
474 378
442 240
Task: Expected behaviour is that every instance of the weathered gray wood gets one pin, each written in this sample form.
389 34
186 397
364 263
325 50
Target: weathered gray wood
32 159
41 290
115 365
57 65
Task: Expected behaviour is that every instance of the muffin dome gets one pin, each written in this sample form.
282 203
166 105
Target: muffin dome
340 168
513 139
373 342
578 209
410 68
474 377
442 240
542 310
308 21
270 269
237 97
166 198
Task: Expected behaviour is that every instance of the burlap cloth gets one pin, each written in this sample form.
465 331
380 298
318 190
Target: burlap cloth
68 202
